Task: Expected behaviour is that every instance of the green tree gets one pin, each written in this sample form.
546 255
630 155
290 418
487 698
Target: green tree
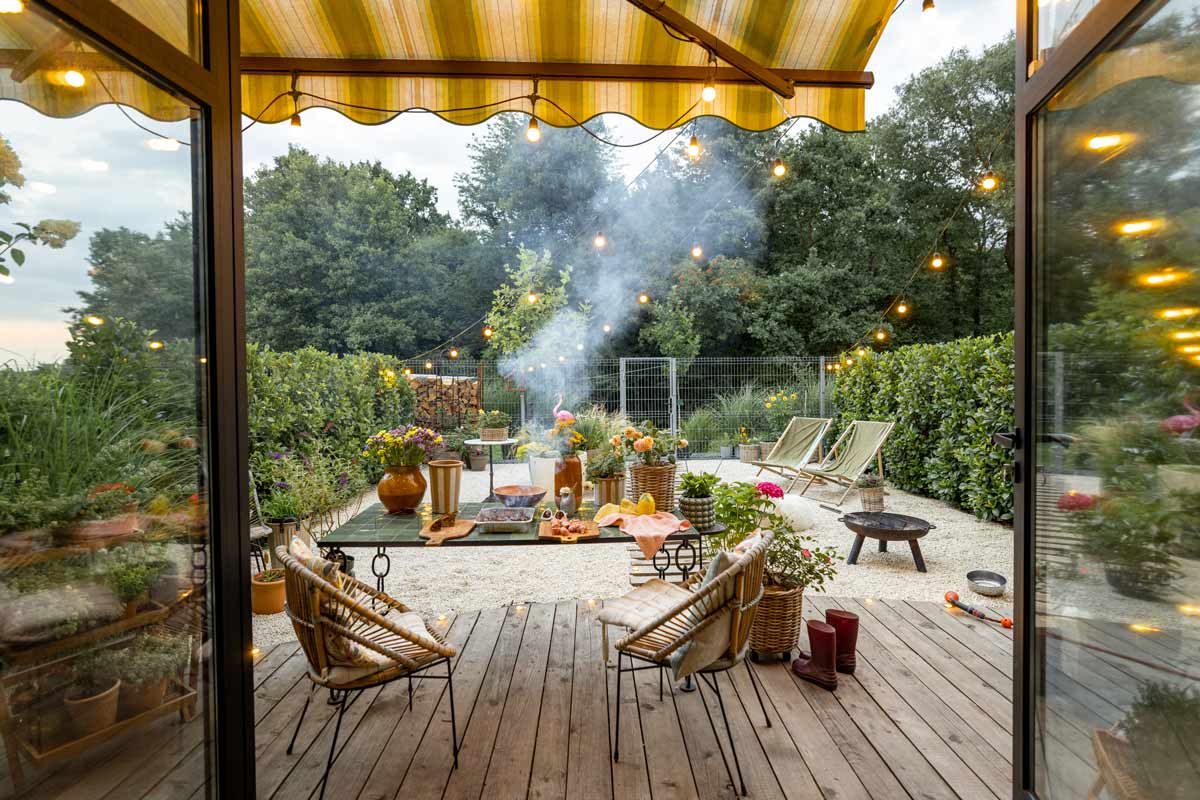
52 233
514 319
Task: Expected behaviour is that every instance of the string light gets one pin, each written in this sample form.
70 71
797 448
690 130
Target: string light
1177 313
697 251
408 370
579 346
74 78
937 261
988 181
531 368
606 328
849 360
881 335
202 360
693 147
1191 611
533 133
11 6
1135 227
1164 277
902 308
532 298
778 168
600 241
1189 349
488 332
428 365
155 345
1105 141
453 352
92 319
254 651
643 298
562 359
861 352
391 373
1185 336
709 92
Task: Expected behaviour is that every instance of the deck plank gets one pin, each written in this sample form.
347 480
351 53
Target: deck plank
551 754
592 775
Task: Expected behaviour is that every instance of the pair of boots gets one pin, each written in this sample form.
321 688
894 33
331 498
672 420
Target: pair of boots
832 642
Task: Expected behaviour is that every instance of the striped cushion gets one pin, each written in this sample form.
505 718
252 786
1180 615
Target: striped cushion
642 605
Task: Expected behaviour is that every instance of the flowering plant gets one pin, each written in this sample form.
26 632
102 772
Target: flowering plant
490 419
648 444
768 489
781 406
563 437
1076 501
793 562
407 446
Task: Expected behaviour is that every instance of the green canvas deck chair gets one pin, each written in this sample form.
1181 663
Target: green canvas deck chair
797 448
851 454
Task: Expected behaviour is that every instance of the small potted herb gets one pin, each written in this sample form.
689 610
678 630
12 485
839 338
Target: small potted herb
696 500
870 491
144 670
268 592
131 582
281 512
607 472
492 425
91 701
747 451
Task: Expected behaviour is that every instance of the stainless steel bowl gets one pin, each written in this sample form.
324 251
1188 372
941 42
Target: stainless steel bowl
520 496
986 582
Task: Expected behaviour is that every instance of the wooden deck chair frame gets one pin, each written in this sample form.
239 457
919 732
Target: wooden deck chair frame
848 480
783 470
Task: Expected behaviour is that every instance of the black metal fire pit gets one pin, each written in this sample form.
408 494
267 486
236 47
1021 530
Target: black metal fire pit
886 527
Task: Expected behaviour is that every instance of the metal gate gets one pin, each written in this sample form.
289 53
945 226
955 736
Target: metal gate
649 390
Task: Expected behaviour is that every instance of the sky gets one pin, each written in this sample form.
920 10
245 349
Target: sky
98 170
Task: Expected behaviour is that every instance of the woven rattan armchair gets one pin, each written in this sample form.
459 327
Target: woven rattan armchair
403 644
731 599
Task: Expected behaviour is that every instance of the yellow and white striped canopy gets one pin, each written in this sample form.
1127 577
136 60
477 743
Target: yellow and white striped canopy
825 35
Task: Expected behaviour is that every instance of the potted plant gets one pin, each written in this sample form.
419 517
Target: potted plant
870 491
24 518
696 501
281 512
566 442
401 451
606 471
109 511
1158 753
131 581
478 458
144 670
492 425
1131 534
747 450
268 592
597 427
727 445
792 566
652 470
453 445
91 701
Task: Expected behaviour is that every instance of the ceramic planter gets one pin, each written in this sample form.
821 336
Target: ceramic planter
609 490
267 597
94 713
700 511
401 489
478 459
138 698
445 485
568 471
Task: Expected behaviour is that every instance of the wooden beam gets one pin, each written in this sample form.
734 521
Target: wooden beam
37 58
723 50
405 68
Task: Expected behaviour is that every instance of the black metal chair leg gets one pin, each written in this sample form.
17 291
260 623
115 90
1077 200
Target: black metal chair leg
617 735
728 732
337 729
661 670
713 726
410 692
453 719
300 721
758 694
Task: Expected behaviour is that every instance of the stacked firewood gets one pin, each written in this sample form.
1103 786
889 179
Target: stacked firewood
444 402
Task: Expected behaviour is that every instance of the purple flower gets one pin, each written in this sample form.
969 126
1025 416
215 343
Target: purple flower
275 455
343 479
284 485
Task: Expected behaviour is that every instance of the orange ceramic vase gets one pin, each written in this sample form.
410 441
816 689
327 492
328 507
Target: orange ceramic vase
401 489
568 471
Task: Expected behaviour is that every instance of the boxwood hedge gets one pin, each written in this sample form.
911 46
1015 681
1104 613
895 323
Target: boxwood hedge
946 400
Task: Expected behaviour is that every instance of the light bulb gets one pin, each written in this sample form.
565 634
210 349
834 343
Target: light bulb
453 352
902 308
779 169
408 370
1177 313
988 181
861 352
881 336
428 365
937 262
1105 141
155 345
693 147
487 331
1164 277
532 298
533 133
643 298
606 328
562 359
697 251
92 319
708 93
1137 226
74 78
296 120
599 241
849 360
11 6
167 144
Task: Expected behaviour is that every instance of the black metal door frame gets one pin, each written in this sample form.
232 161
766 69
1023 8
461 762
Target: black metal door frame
1036 83
213 82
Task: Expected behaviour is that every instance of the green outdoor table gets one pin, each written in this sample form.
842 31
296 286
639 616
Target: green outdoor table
374 528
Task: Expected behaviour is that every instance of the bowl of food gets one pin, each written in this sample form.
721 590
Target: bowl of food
519 495
498 519
986 582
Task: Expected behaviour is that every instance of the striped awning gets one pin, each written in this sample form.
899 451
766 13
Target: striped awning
467 60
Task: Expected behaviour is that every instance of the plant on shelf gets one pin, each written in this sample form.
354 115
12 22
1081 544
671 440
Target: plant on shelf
606 471
491 425
106 511
131 582
401 451
144 670
1162 728
91 700
696 501
268 593
653 469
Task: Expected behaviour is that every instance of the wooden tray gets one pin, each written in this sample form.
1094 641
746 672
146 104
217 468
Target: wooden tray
592 530
454 530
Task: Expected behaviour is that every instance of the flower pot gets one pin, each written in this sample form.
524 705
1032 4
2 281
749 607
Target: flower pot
125 524
726 451
445 484
138 698
748 453
401 489
282 531
765 448
872 498
493 434
541 470
568 471
700 511
478 460
267 597
93 713
776 625
1133 581
657 481
609 490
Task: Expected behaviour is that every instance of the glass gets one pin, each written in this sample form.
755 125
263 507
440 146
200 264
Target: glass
176 21
1056 19
1117 436
105 629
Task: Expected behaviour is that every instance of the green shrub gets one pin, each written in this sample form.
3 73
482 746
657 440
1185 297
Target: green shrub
703 431
946 400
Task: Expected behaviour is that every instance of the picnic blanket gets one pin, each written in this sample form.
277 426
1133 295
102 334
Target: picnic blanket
650 530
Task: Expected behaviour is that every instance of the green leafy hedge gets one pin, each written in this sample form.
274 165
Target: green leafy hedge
946 400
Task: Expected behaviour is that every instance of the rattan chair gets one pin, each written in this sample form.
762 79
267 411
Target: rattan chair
360 614
730 599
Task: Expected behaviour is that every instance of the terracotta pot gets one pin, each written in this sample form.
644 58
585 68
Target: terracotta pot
401 489
609 490
568 471
267 597
95 713
445 484
125 524
140 698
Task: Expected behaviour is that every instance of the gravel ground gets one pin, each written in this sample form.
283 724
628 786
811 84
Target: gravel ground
446 579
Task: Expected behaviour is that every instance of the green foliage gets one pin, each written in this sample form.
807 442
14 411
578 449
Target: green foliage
743 510
52 233
946 400
271 575
672 333
1131 533
149 659
482 418
698 484
515 320
792 561
280 505
1163 728
598 426
131 580
704 431
744 412
608 464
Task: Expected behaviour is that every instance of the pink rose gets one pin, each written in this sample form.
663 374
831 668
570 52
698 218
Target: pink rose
806 553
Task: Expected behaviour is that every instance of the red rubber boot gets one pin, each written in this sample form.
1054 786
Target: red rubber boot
819 669
846 625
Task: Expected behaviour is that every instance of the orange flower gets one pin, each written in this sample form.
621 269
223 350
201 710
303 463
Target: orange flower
643 445
683 443
629 433
637 435
615 441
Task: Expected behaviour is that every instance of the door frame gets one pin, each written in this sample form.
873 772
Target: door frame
1035 86
213 82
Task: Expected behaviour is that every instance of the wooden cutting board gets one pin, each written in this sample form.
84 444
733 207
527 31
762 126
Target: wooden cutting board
440 529
591 531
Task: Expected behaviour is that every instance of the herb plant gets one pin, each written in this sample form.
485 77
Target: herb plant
697 484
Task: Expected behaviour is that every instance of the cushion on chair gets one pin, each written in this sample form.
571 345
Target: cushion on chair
643 604
712 642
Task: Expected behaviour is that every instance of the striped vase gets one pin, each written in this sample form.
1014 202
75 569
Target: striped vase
445 483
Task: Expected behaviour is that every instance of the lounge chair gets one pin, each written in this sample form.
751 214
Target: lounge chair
797 448
851 454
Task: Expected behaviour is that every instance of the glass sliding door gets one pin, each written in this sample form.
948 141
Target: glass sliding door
1111 477
107 630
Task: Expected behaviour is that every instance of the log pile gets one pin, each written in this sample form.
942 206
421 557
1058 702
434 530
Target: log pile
444 402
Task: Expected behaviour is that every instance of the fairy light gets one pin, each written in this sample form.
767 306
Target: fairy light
697 251
11 6
441 620
988 181
74 78
881 336
532 298
1185 336
1189 610
902 308
453 352
1163 277
606 328
202 360
849 360
155 345
1142 627
533 134
92 319
408 370
778 168
1136 227
488 332
643 298
579 347
1105 141
600 241
861 352
1177 313
428 365
295 120
391 373
531 368
254 652
693 147
562 359
937 261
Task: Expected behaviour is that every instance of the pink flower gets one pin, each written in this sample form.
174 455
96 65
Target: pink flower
1076 501
643 445
768 489
806 553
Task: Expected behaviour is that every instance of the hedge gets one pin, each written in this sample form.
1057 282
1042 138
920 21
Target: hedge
946 400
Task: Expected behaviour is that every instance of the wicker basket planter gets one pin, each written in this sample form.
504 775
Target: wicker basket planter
493 434
658 482
765 448
872 498
748 453
776 626
700 511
